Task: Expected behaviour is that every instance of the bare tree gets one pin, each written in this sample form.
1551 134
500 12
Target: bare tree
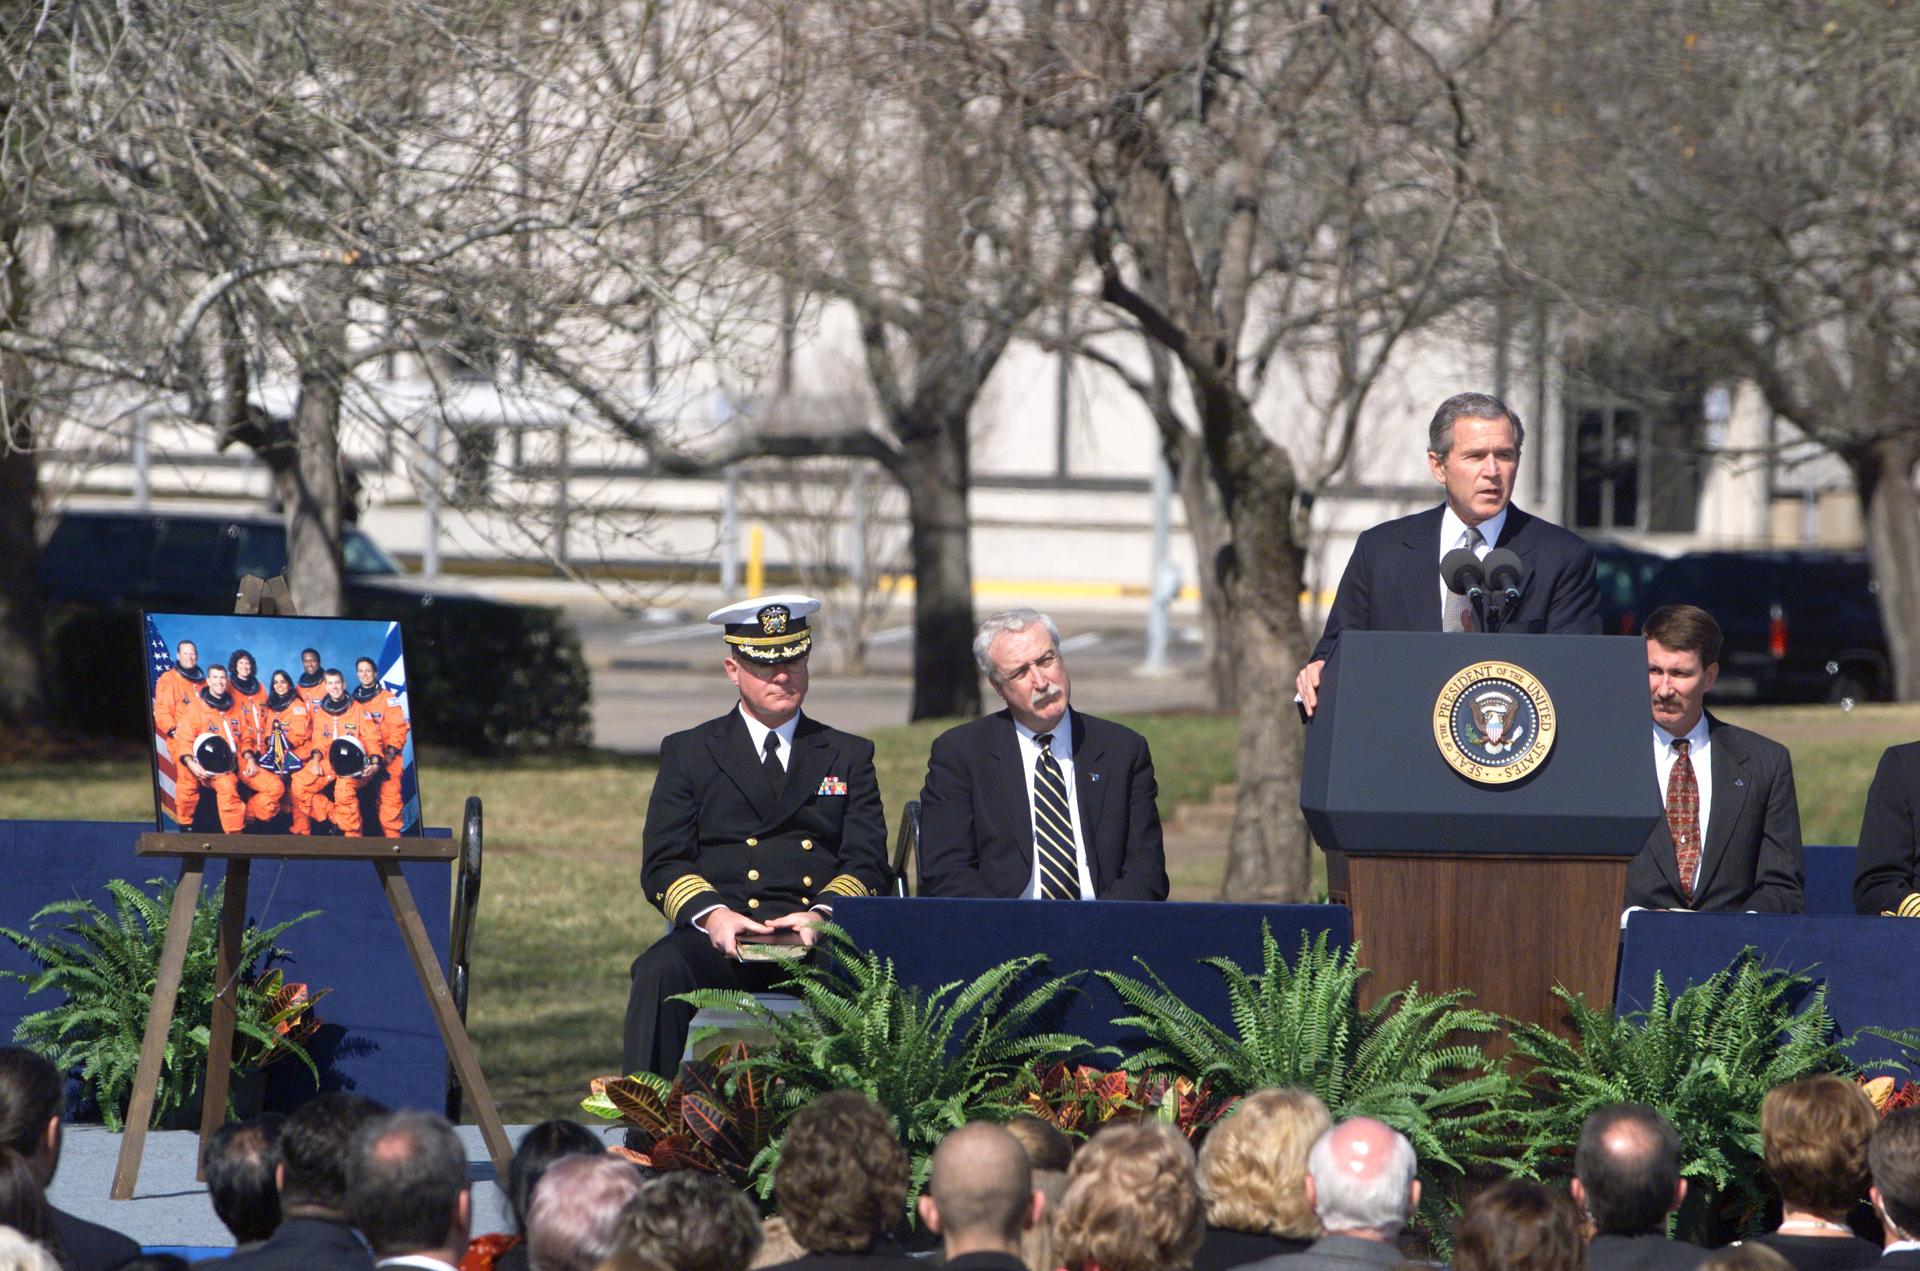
1270 183
1740 180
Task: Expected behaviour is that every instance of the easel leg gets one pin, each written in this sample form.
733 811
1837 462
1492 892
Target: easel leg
166 987
226 994
413 933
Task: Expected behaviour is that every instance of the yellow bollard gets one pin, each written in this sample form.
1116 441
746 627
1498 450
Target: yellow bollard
756 561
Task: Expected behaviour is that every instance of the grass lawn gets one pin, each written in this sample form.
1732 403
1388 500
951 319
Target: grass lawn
561 914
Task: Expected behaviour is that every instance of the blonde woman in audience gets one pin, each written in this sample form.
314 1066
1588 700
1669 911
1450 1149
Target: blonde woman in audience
1132 1203
1253 1176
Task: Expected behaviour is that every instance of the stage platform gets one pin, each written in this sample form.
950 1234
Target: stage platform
169 1210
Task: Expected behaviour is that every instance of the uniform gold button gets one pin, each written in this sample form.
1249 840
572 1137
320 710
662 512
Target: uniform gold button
754 903
753 842
659 895
806 900
806 880
806 845
753 875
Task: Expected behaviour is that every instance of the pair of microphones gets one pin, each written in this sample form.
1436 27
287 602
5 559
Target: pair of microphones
1492 585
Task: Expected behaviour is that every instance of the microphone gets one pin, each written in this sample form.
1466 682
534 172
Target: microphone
1464 575
1507 576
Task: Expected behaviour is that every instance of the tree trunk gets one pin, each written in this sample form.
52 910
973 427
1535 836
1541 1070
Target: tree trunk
309 480
23 662
1206 525
1269 857
933 471
1884 475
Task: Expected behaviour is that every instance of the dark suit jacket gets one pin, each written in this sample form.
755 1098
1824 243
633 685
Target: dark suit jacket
1223 1248
985 1262
1905 1260
1750 856
976 814
1392 581
87 1246
1335 1253
884 1256
1883 869
306 1244
716 833
1643 1253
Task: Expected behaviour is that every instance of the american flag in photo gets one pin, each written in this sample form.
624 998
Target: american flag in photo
159 663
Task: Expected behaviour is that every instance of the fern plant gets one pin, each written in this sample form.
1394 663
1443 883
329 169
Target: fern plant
1406 1061
960 1053
1704 1059
106 964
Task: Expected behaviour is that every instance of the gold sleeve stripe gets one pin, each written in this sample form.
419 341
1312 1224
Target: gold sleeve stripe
1910 907
846 885
684 888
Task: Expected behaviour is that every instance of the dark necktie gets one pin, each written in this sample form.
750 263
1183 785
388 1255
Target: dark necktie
1053 828
770 760
1683 817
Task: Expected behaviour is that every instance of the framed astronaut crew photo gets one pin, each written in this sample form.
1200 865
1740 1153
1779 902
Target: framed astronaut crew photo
280 726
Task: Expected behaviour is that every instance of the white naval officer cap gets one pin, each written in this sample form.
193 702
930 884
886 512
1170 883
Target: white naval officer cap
768 629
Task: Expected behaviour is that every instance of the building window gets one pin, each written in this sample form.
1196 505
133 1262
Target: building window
1635 467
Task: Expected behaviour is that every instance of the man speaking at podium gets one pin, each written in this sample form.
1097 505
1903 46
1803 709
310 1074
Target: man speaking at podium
1393 580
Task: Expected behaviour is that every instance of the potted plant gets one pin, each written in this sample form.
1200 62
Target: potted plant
105 965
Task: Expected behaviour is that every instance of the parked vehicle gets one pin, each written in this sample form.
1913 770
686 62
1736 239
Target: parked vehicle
484 674
1623 573
1800 626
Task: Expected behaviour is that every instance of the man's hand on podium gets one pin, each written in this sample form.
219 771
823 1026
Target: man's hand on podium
1307 686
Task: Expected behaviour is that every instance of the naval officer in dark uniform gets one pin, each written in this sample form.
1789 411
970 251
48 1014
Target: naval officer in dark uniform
758 820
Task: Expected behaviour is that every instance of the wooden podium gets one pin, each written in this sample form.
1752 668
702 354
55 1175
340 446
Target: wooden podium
1464 875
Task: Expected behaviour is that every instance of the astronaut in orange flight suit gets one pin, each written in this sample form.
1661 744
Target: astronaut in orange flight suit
312 684
384 708
289 724
319 792
249 693
213 711
176 687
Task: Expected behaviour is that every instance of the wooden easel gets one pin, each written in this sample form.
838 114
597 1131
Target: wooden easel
240 851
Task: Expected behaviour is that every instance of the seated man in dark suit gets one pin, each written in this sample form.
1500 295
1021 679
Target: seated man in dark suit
316 1146
1894 1159
1885 868
1731 837
1392 581
1626 1176
1038 800
757 820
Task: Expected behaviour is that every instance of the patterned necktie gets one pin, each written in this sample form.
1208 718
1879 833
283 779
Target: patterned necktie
1454 612
1683 817
1053 828
770 760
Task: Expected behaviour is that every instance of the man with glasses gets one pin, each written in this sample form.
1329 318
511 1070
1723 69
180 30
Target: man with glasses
1039 800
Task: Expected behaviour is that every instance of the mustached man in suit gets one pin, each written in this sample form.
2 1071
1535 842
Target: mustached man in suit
1393 581
1038 800
758 820
1731 837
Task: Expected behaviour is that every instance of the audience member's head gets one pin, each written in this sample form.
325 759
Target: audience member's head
1253 1166
1814 1135
20 1253
980 1194
777 1245
407 1187
575 1215
842 1177
1626 1170
1746 1257
537 1150
315 1145
1361 1180
240 1160
1046 1147
1894 1158
1519 1226
1131 1203
688 1221
32 1094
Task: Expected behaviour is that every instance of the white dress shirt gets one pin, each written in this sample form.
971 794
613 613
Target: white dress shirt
1062 747
1452 528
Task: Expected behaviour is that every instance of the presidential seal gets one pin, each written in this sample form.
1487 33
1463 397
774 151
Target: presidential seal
1494 723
